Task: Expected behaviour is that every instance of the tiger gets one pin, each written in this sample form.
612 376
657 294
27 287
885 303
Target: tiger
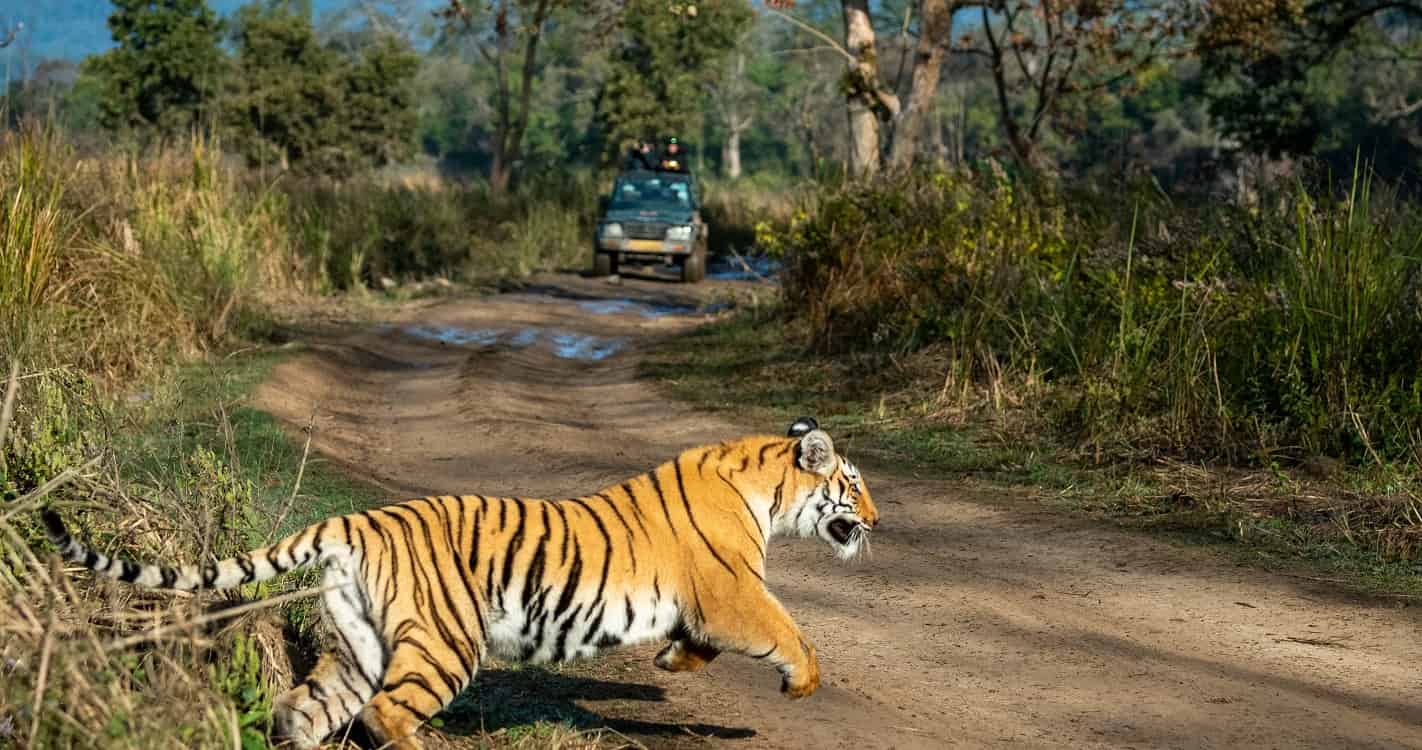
419 593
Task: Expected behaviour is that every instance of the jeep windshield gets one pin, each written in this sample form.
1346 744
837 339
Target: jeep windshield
651 193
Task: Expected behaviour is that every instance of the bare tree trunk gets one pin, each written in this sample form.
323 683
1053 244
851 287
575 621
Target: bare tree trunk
863 85
934 37
731 154
736 123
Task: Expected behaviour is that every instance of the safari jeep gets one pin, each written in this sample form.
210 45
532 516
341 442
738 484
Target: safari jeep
651 217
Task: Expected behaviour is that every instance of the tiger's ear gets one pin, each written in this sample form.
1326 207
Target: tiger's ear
817 453
801 426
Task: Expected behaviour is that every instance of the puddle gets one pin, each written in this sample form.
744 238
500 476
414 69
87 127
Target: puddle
583 346
563 344
646 310
526 337
762 268
455 336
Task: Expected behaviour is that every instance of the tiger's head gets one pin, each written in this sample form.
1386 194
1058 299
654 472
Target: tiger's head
827 497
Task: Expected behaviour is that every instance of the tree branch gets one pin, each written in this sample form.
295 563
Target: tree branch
822 36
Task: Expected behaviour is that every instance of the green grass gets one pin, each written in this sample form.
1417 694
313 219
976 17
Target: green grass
207 406
751 362
884 412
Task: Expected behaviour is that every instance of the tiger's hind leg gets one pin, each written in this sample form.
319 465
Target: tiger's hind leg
417 685
331 696
345 679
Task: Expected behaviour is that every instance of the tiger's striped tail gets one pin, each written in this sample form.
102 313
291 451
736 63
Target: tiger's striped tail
298 550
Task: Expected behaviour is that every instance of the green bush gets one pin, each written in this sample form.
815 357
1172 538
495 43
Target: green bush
1199 330
359 231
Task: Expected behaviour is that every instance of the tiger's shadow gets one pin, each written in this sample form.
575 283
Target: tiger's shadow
524 696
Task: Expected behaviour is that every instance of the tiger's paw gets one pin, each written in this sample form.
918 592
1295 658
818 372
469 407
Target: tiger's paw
801 682
800 688
684 656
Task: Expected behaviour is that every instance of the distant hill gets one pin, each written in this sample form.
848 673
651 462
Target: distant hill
73 29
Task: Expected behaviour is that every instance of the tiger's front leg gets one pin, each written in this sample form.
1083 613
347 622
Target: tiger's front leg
756 624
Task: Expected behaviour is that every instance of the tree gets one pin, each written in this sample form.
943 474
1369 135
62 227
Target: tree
1046 54
510 41
167 68
379 101
868 101
731 98
1268 62
286 92
935 39
667 60
301 104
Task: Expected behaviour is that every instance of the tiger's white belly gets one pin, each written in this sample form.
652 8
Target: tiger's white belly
516 634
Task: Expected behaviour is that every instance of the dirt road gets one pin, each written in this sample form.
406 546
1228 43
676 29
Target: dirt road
981 619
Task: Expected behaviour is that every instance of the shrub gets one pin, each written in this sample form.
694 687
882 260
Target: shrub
1202 330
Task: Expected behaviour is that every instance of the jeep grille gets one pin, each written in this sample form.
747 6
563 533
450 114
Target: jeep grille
645 230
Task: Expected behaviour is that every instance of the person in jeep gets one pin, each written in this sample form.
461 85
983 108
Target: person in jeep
642 156
673 158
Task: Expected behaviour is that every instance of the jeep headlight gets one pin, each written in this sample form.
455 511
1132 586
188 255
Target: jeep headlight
612 231
679 234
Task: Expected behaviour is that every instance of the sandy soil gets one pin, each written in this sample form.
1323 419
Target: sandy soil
981 619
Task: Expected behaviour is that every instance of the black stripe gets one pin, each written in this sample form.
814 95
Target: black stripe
567 533
441 590
534 578
514 545
560 649
752 569
422 716
345 677
575 575
681 487
249 571
764 449
169 576
631 613
770 651
779 496
696 602
595 625
310 720
450 680
392 569
636 506
657 487
761 543
607 547
416 679
316 539
631 543
388 540
701 463
455 541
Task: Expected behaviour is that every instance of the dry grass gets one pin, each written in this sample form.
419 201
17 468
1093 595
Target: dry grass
93 663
